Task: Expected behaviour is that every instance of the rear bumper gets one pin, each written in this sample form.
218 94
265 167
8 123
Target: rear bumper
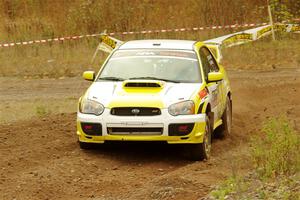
161 121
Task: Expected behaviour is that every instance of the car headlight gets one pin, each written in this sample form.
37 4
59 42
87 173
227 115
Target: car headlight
87 106
182 108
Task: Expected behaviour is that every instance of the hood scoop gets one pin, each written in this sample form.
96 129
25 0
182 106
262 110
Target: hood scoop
143 84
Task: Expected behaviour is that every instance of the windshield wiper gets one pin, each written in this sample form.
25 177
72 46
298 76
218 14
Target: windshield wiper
111 78
154 78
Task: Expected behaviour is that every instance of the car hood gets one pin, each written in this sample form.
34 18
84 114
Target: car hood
114 94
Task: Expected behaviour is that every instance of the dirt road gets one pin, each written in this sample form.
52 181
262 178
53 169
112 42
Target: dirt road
40 158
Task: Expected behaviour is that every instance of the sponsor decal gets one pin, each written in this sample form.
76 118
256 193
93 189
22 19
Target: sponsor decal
108 41
158 52
281 27
241 37
263 32
295 28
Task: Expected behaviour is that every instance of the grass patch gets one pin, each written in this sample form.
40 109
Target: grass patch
233 185
265 54
55 60
276 152
71 58
27 109
251 187
276 169
30 20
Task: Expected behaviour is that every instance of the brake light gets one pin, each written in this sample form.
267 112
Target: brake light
203 93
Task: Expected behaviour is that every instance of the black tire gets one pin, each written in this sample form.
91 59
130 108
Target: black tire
225 129
201 151
85 145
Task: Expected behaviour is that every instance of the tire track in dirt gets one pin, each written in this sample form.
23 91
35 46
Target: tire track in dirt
40 158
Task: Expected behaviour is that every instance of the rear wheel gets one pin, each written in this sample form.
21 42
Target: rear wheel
202 151
225 129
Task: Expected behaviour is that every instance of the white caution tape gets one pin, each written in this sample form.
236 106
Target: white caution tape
246 36
227 40
61 39
251 34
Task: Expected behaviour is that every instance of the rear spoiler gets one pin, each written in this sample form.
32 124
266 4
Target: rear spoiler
216 50
107 44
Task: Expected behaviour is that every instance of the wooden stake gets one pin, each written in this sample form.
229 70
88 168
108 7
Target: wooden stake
271 21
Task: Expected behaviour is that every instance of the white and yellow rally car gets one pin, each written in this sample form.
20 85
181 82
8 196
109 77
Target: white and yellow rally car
157 90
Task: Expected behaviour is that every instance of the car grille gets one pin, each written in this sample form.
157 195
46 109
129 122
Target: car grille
135 111
134 131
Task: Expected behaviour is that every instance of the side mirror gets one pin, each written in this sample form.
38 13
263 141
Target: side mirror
215 76
89 75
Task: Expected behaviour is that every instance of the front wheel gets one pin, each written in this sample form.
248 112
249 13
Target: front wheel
202 151
85 145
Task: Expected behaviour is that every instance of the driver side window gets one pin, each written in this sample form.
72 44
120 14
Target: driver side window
208 62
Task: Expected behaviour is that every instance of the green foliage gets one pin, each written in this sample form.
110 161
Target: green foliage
280 10
233 184
277 151
33 19
284 187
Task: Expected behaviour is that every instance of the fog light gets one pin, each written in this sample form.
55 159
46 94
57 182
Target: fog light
183 128
180 129
88 127
91 128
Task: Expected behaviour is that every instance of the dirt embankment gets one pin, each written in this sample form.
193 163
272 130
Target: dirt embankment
40 158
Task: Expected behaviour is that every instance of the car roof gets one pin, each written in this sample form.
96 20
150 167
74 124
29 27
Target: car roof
159 44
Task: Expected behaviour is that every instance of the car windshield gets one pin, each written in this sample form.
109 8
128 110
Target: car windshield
167 65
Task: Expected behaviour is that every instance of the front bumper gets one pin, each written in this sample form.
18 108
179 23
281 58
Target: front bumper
161 121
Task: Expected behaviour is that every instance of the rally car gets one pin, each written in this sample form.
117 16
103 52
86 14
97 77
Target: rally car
173 91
